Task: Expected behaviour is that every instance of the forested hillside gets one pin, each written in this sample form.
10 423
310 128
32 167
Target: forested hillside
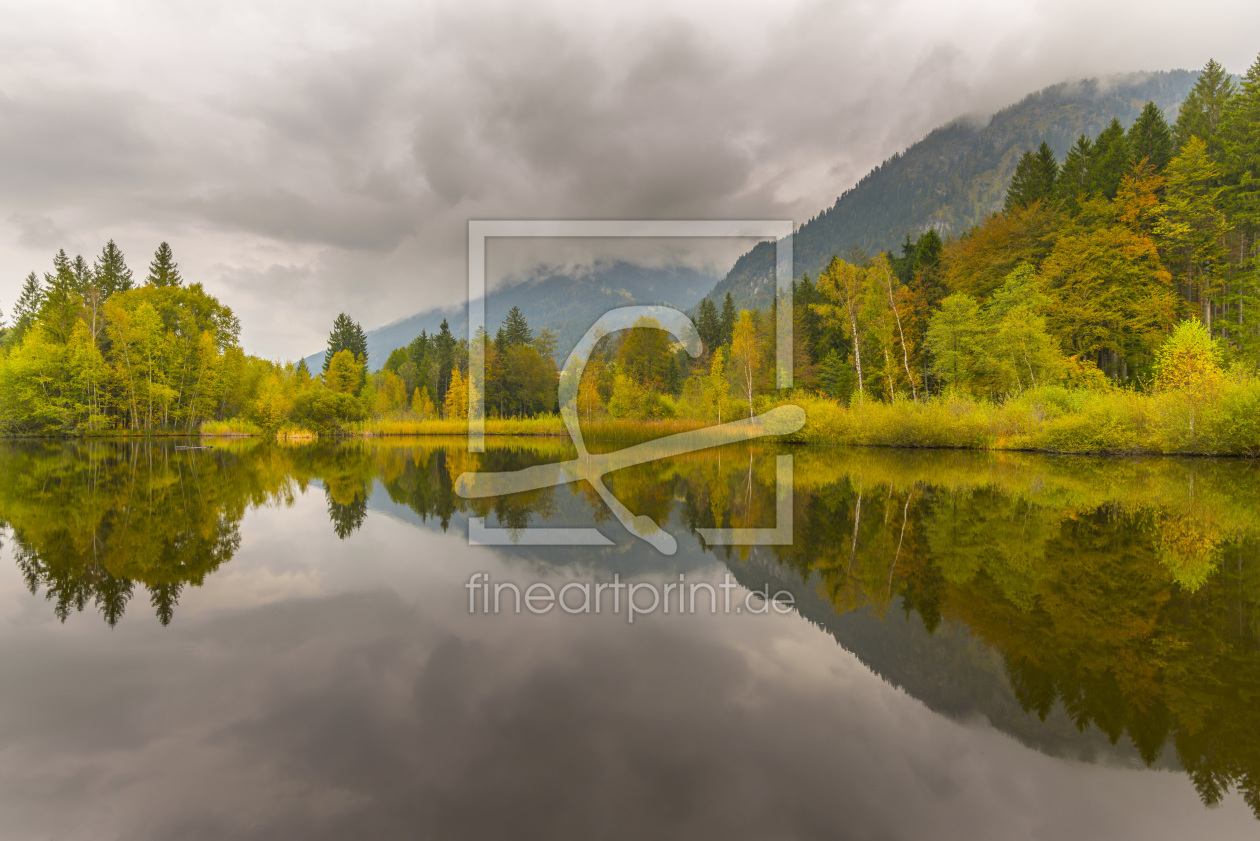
953 178
564 303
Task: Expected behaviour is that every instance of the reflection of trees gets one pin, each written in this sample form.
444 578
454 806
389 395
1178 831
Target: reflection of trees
92 521
347 472
1125 592
1108 590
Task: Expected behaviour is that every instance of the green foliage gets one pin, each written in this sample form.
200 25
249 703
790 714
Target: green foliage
1034 178
345 373
163 270
1189 360
326 412
1150 138
349 336
951 337
1203 110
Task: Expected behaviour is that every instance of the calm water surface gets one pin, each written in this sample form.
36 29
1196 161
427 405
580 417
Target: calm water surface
262 641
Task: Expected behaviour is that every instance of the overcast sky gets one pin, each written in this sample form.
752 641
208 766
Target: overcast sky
308 157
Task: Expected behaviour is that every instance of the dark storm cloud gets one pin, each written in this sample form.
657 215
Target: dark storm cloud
358 141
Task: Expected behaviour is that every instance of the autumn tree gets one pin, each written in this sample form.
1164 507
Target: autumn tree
746 355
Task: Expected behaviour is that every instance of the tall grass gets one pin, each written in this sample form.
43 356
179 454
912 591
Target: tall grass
232 428
1051 419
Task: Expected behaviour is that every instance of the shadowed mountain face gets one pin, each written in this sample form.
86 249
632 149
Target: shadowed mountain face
566 304
1091 608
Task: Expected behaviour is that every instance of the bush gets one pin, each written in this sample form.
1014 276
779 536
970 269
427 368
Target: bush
326 412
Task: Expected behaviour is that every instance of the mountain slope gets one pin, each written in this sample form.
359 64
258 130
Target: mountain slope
954 177
564 303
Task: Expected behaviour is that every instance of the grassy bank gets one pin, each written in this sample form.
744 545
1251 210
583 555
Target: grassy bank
1225 421
1052 419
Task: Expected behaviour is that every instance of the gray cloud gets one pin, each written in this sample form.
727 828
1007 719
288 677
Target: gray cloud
357 142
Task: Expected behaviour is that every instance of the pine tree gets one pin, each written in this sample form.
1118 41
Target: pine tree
63 298
1240 159
708 324
1192 225
515 330
444 358
1203 109
29 303
728 318
1109 162
346 335
1034 179
111 272
164 271
1073 181
1150 138
301 371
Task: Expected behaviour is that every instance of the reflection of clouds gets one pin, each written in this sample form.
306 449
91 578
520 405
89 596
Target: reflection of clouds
380 709
242 588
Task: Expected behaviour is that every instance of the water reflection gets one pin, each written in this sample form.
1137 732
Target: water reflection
1111 596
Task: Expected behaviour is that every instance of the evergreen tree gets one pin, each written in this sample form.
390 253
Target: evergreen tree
1150 138
708 325
301 371
444 358
1109 162
63 298
1034 179
1073 181
1203 109
905 265
728 318
164 271
1240 137
83 277
29 303
515 330
111 272
346 335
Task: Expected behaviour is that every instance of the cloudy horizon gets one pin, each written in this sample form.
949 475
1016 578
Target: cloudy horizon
308 158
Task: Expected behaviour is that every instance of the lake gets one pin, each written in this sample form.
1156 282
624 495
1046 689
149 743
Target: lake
269 641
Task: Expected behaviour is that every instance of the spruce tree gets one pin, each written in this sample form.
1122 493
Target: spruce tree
1034 178
164 271
1150 138
63 298
444 356
1240 139
346 335
1074 176
1110 161
515 330
29 303
1203 109
708 324
110 270
728 318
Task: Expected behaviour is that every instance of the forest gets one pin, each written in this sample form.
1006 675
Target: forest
1112 304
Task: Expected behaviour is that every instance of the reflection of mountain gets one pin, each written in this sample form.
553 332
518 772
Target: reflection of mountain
951 671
